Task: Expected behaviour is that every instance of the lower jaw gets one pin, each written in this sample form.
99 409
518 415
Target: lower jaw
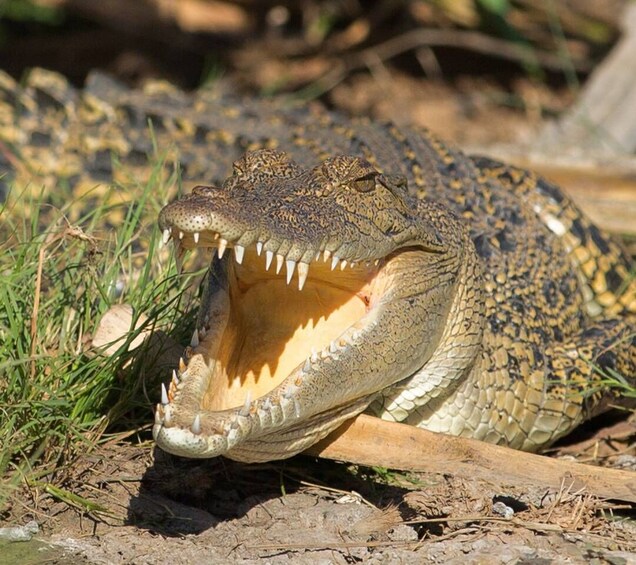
271 427
294 439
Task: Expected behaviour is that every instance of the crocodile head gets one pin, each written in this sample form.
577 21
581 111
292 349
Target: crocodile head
324 303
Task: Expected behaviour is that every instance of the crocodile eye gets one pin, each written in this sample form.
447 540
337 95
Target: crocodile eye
238 168
351 172
366 183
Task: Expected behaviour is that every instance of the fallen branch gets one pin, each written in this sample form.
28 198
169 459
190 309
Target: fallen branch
373 442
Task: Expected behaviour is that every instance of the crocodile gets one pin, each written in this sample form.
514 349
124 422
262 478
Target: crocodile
375 268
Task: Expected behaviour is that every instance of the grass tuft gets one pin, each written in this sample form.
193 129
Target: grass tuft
57 279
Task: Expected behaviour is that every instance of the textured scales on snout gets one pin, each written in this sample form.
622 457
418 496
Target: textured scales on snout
478 302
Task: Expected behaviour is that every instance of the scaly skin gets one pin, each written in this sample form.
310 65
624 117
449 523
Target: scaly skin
487 305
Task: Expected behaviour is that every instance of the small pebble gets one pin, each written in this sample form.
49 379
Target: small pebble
19 533
503 510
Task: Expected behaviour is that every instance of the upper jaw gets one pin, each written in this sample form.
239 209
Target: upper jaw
192 223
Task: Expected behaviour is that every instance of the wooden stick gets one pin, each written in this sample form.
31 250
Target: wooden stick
373 442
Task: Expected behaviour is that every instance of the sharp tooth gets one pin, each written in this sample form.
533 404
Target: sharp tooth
239 251
160 413
217 235
182 366
195 236
352 265
202 333
158 419
167 233
334 262
291 267
164 395
172 389
317 256
279 262
245 411
269 255
167 418
222 247
181 234
314 354
307 365
332 347
303 272
196 425
343 264
259 248
326 255
175 379
194 342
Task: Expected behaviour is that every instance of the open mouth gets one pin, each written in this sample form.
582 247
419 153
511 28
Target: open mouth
281 312
266 325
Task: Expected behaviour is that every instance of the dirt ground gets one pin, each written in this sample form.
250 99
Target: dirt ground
151 508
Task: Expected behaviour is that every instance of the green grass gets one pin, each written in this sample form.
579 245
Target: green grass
57 279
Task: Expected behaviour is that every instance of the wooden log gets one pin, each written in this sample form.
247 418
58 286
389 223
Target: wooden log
371 441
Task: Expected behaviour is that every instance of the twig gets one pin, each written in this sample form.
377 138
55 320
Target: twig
418 38
333 490
470 40
329 545
36 304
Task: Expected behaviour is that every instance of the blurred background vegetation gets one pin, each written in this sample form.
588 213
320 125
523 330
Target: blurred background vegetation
430 62
274 45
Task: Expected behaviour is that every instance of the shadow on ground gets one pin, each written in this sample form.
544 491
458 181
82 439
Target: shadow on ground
180 496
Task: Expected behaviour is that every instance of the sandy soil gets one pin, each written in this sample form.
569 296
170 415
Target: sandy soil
150 507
